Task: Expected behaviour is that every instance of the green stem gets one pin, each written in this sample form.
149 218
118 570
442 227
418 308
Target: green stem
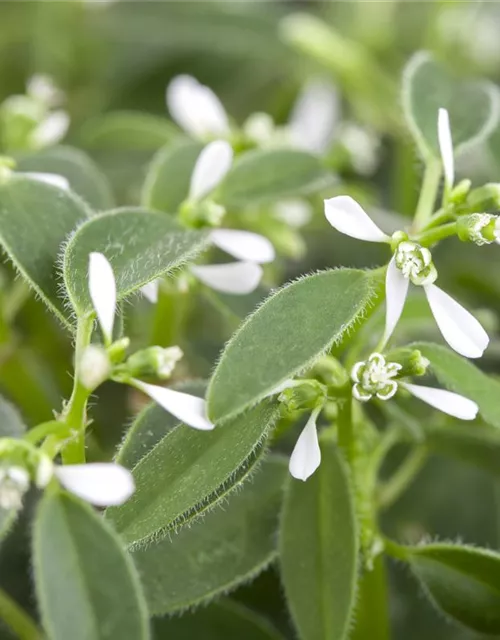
430 237
404 476
396 550
42 430
442 215
17 619
427 199
345 428
75 412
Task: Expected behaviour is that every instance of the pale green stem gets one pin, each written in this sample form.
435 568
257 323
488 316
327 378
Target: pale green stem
427 199
345 427
396 550
390 491
432 236
17 619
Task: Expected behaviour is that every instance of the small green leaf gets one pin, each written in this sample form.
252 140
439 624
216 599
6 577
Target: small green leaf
319 550
83 175
464 582
261 176
214 555
460 375
127 130
286 335
188 471
474 106
35 221
86 584
167 181
141 246
472 443
224 620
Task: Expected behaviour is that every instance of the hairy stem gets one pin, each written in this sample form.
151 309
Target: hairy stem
17 619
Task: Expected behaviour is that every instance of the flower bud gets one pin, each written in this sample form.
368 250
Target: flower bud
331 371
197 215
94 367
412 362
485 198
305 394
459 193
117 350
154 362
14 482
480 228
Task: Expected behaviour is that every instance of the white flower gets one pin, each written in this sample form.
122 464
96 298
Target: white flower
411 262
196 108
376 377
362 145
446 147
94 367
306 455
14 482
295 213
42 88
189 409
102 288
210 169
50 130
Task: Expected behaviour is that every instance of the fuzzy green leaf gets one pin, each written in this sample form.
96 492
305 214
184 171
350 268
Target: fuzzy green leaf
167 181
217 553
286 335
188 471
460 375
141 246
35 221
225 619
319 550
474 106
464 582
86 584
84 177
127 130
265 175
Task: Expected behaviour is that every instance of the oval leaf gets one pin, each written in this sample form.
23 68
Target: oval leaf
474 107
265 175
214 555
35 221
225 619
460 375
83 175
187 471
286 335
168 177
319 550
86 584
141 246
464 582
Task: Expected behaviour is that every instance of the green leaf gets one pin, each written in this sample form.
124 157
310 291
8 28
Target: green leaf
371 617
127 130
11 423
319 550
188 471
84 176
86 584
141 246
167 181
35 221
464 582
225 619
293 327
473 106
260 176
214 555
460 375
472 443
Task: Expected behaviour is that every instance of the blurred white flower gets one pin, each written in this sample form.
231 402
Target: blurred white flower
14 482
446 147
293 212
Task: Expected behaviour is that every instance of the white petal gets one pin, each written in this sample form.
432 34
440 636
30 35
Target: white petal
102 288
347 216
306 455
150 291
103 484
295 213
459 328
49 178
212 165
196 108
244 245
238 278
451 403
51 130
314 116
187 408
396 290
446 146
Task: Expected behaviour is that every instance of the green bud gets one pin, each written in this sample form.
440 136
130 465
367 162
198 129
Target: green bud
396 239
153 362
459 193
201 214
330 370
485 198
412 362
305 394
480 228
117 350
94 366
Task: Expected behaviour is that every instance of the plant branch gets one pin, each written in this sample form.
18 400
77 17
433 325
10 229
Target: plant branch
17 619
427 199
390 491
